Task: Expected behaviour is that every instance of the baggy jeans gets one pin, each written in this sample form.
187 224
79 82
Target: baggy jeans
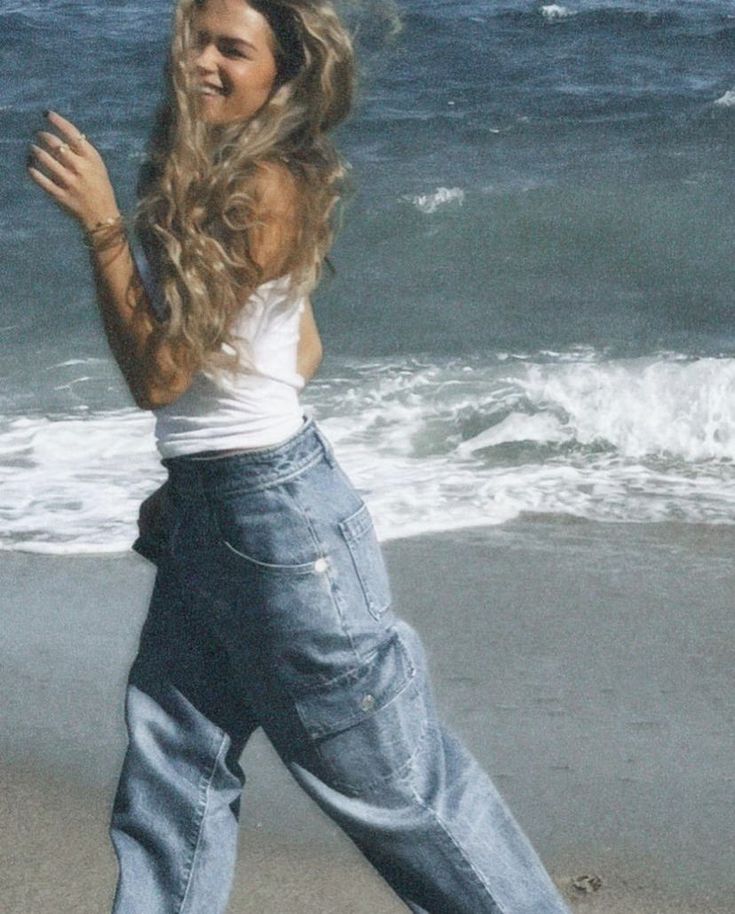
272 608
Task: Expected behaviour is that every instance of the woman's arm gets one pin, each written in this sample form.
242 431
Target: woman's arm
155 371
274 232
309 353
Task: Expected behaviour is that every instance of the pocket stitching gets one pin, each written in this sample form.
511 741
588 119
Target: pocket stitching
302 568
408 689
358 678
357 524
398 773
354 528
298 568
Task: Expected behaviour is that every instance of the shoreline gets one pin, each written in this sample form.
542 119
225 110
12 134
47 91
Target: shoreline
588 666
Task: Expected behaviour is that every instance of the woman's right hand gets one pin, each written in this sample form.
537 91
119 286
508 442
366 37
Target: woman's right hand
156 369
77 177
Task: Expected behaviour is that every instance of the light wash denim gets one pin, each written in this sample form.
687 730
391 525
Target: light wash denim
272 609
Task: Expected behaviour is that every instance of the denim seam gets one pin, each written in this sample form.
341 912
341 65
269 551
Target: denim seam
327 447
306 514
401 773
314 457
200 815
337 597
458 847
371 603
333 588
325 684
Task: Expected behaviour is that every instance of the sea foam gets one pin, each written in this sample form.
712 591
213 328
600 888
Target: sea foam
430 445
429 203
727 100
554 11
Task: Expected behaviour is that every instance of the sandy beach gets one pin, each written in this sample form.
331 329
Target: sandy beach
589 667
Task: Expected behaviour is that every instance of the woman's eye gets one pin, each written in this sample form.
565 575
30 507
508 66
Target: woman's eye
202 39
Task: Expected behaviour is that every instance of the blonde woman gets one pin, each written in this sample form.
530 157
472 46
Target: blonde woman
271 606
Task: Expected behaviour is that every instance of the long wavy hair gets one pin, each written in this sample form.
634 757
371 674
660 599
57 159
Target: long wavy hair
196 193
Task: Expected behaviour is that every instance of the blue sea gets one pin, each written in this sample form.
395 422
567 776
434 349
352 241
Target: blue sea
532 312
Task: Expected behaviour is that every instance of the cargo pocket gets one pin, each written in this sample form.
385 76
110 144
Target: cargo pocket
358 532
366 725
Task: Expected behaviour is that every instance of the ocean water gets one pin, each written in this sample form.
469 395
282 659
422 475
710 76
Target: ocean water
533 305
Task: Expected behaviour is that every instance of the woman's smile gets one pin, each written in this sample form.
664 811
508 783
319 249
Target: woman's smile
208 90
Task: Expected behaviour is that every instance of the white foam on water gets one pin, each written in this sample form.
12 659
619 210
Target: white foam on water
727 100
441 447
554 11
517 427
430 203
430 445
644 407
73 484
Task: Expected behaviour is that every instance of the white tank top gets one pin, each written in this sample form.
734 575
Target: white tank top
255 407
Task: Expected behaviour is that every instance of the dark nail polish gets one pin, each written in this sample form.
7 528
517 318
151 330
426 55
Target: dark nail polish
30 160
46 112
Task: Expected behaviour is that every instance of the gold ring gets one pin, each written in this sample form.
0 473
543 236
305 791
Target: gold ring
62 148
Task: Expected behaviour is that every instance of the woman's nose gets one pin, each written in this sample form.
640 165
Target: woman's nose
205 58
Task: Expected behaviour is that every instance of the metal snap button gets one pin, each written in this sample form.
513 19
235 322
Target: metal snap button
320 565
367 703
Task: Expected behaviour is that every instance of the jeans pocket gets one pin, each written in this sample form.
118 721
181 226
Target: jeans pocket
358 532
267 531
366 725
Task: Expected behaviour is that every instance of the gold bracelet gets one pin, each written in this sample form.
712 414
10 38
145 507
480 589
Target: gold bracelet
104 224
102 234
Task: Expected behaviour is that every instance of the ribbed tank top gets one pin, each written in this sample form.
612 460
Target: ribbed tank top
257 406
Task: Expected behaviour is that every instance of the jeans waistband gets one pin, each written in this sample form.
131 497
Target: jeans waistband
192 475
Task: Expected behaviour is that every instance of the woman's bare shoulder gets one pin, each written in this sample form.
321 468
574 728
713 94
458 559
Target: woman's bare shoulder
276 217
275 188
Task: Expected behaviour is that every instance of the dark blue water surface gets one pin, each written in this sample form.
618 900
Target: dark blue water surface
539 180
591 143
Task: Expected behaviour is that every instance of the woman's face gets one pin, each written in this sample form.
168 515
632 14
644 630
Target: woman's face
233 59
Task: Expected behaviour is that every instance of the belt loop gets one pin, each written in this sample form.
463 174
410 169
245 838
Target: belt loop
326 445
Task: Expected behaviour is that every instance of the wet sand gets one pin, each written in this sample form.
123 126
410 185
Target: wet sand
588 666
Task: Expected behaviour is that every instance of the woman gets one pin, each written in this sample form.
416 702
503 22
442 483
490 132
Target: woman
271 606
